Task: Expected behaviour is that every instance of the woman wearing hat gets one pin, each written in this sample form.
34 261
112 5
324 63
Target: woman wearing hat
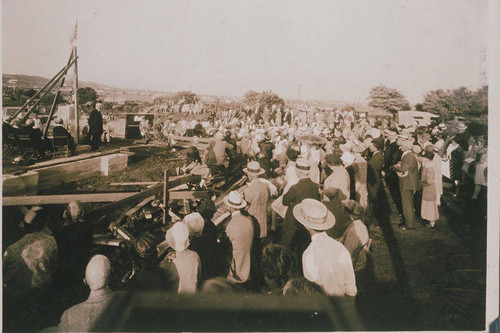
336 189
429 209
356 236
325 261
187 262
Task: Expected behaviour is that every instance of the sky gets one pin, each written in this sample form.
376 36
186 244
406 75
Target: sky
333 49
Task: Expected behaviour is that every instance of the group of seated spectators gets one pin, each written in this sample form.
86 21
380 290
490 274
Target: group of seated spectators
36 142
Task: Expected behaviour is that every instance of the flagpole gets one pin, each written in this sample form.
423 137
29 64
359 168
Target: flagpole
74 38
77 114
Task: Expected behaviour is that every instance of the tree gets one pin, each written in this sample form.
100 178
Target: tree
419 107
107 106
437 102
251 98
86 95
460 101
388 99
185 97
270 98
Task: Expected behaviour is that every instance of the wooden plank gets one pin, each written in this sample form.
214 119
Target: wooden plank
139 206
134 184
134 199
189 139
64 198
187 195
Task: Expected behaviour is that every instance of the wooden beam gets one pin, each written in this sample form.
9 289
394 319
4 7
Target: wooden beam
141 204
64 198
187 195
134 184
134 199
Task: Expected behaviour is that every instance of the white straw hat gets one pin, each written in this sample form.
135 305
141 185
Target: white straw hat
314 215
253 167
235 200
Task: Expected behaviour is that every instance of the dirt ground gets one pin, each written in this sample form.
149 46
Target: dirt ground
410 268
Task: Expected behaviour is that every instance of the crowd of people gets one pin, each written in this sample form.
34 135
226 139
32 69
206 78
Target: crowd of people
316 185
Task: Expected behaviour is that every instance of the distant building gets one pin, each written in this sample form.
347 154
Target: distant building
422 118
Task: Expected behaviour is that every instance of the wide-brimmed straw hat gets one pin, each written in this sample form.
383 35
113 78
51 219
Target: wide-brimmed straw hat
254 168
302 165
235 200
314 215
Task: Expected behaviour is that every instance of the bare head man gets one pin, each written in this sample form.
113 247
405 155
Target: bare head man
97 272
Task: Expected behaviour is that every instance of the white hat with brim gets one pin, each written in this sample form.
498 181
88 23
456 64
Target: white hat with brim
234 199
313 215
254 168
302 165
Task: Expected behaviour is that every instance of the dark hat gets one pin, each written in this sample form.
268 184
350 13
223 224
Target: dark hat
354 208
378 143
333 159
207 208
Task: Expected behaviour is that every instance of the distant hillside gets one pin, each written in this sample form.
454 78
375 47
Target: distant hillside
31 81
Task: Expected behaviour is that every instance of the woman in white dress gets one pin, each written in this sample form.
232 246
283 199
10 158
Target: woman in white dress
429 210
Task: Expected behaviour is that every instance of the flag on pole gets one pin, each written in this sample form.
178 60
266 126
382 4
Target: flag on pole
74 35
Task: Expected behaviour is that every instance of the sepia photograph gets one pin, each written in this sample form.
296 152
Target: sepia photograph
250 166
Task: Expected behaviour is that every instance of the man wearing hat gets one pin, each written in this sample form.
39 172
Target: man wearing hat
256 195
392 155
240 232
294 237
325 261
407 170
376 193
74 239
95 127
28 268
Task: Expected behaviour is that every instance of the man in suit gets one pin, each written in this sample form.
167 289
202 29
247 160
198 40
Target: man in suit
407 170
287 117
86 316
376 193
336 189
95 127
257 196
295 237
240 232
392 155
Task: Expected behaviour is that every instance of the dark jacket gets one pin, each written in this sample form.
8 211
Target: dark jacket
374 180
305 188
95 122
